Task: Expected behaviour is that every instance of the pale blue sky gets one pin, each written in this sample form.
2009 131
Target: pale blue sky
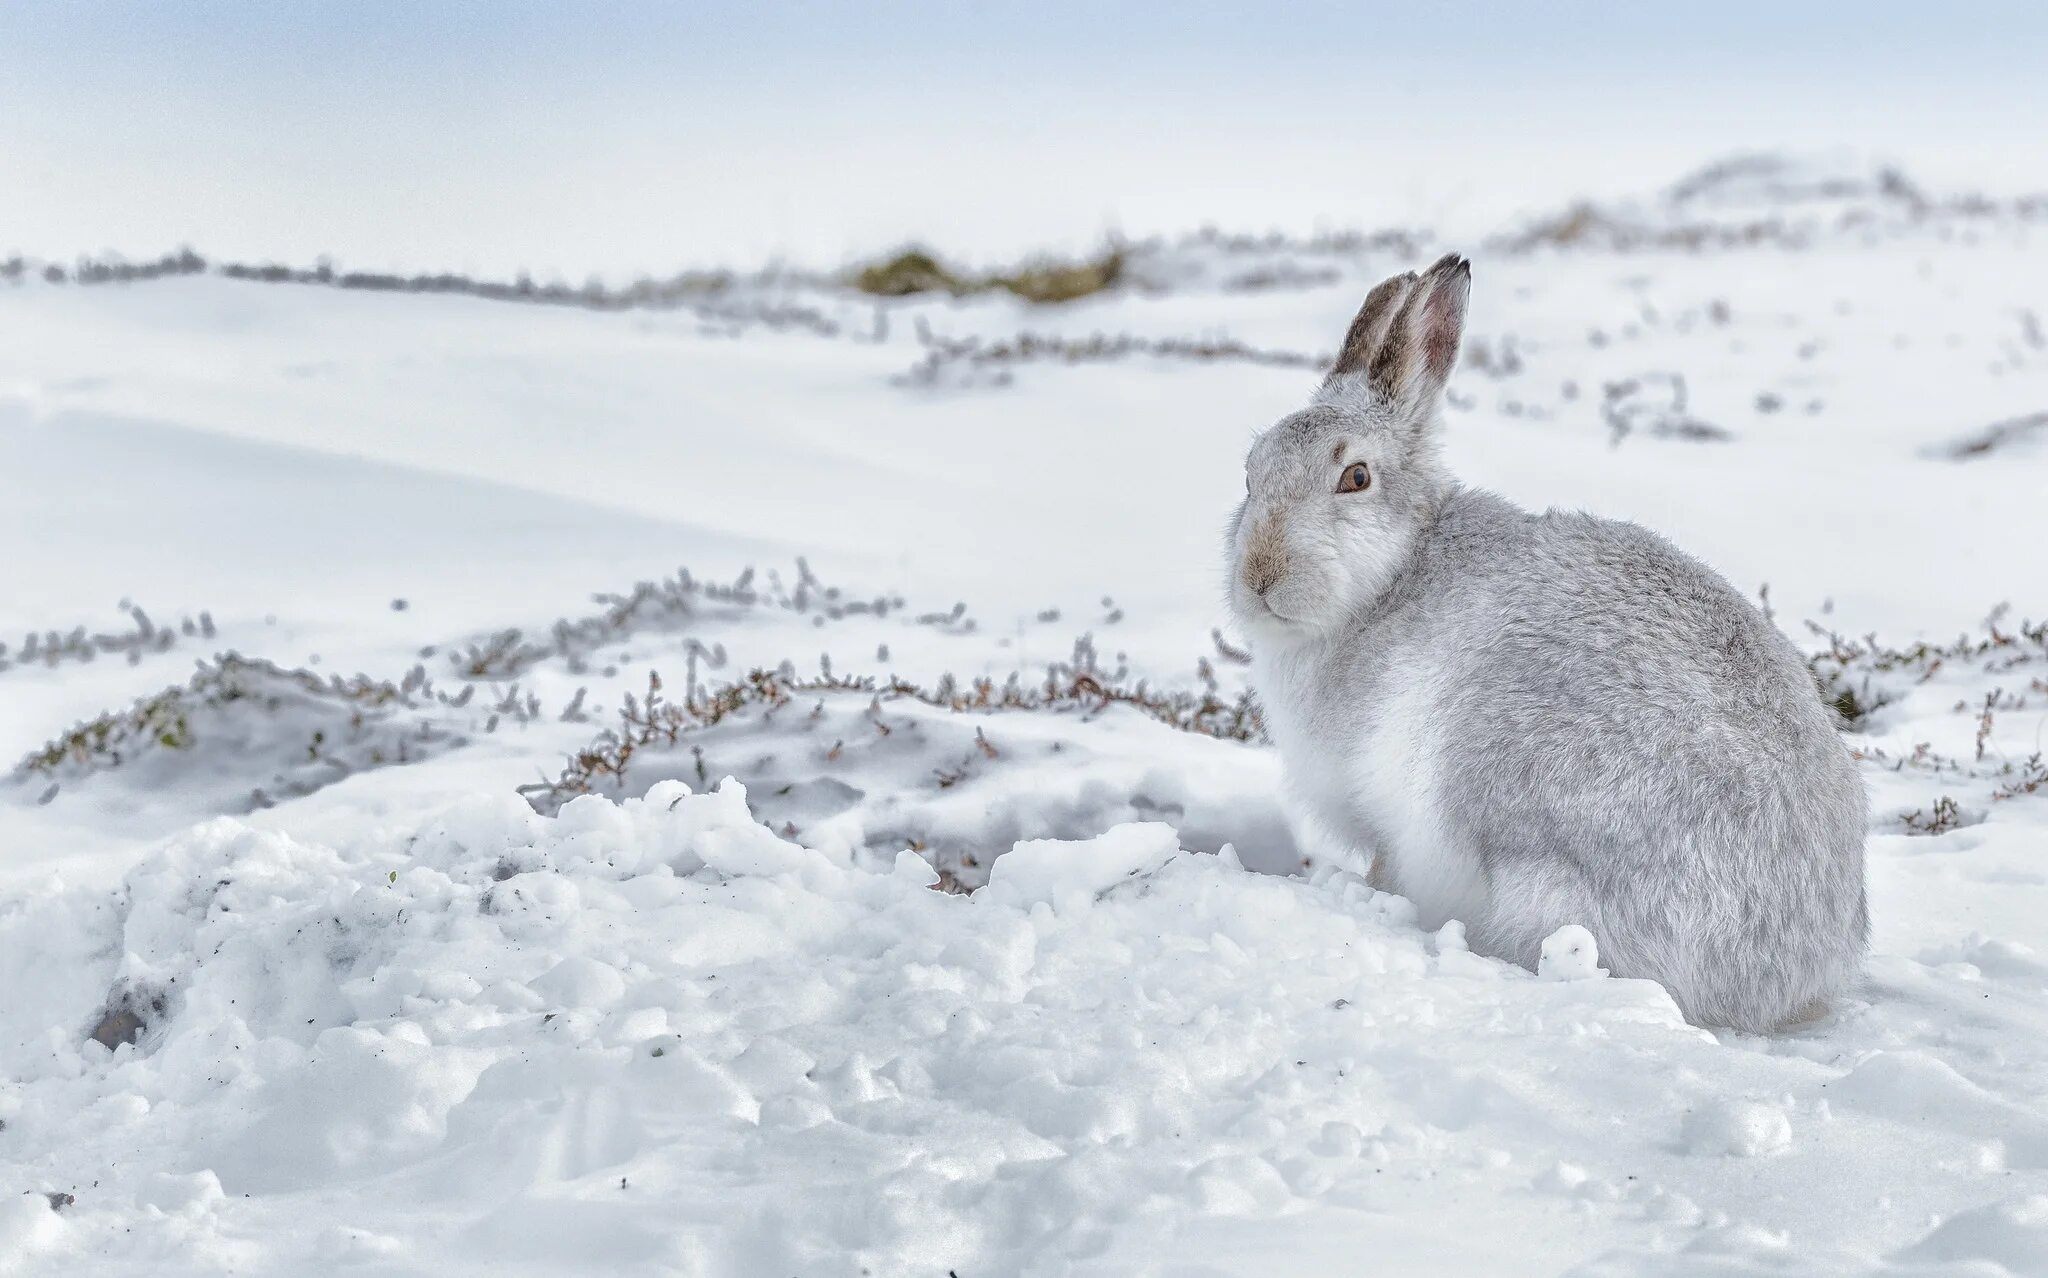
581 137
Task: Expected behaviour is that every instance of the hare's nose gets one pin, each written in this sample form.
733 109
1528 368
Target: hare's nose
1265 557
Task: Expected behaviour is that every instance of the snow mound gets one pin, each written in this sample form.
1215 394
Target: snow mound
2010 1236
500 1020
1570 954
246 732
1744 1129
866 770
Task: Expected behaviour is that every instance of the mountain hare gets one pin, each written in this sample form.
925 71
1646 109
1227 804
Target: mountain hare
1535 720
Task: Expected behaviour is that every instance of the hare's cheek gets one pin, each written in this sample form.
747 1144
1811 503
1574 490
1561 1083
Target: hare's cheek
1236 534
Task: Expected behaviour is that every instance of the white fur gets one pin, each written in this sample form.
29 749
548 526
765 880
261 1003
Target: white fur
1395 778
1322 807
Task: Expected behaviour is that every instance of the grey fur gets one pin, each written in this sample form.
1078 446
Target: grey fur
1535 720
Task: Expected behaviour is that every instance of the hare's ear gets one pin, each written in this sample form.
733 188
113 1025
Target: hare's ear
1368 331
1404 342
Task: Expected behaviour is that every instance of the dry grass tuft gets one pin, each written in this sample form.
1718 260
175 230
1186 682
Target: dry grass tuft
655 723
916 271
1859 678
971 359
142 638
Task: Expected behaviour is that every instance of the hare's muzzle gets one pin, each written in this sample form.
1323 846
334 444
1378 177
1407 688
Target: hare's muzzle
1265 556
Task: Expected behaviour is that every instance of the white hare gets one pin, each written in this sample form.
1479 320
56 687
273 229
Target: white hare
1535 720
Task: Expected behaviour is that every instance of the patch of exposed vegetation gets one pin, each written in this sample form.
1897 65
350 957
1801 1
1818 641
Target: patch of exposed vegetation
1046 280
714 296
1278 275
111 270
1586 225
1079 686
1859 678
2011 433
669 605
1741 202
2031 777
907 274
648 292
142 638
242 719
1399 242
1495 358
1654 404
974 360
1943 815
255 731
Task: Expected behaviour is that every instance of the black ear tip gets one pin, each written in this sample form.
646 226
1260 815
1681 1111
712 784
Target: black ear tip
1450 265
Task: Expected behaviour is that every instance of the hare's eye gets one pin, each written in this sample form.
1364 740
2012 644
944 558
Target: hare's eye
1356 479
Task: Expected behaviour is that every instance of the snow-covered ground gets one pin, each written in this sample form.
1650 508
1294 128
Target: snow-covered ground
372 896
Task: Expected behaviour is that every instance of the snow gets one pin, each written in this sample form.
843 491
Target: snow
397 917
1745 1129
1569 954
